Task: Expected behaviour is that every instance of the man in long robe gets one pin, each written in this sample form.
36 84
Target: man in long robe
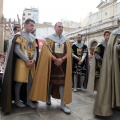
80 62
108 91
53 74
20 68
97 63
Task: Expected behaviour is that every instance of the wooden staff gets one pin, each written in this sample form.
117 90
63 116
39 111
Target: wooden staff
19 24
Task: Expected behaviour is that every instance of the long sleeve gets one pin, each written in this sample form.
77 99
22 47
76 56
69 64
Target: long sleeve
73 53
75 56
35 54
18 51
84 56
97 56
85 52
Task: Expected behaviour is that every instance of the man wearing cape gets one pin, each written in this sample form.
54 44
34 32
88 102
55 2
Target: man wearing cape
53 74
15 80
108 91
97 63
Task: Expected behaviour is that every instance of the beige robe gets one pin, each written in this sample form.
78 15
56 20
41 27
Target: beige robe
91 79
39 90
108 92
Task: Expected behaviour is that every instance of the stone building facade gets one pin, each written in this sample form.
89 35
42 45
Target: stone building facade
93 26
8 27
32 13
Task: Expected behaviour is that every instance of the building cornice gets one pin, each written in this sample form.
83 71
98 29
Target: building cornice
104 4
94 29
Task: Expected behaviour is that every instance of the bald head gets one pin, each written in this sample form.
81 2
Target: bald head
58 28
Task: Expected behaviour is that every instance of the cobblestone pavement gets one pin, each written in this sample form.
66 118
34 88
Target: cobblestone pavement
81 109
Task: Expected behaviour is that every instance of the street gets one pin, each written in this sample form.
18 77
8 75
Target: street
81 109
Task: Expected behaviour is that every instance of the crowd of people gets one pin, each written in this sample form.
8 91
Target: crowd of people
2 62
30 76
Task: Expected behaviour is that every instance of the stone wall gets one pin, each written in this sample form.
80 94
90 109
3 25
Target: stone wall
1 26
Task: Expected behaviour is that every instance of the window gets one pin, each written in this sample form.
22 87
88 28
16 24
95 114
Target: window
29 13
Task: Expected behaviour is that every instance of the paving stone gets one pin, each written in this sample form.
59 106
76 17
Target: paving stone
26 116
76 101
53 112
81 109
86 96
87 109
57 114
18 110
42 107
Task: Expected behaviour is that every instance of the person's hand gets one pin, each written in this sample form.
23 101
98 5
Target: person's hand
29 63
60 60
80 62
57 63
79 58
32 62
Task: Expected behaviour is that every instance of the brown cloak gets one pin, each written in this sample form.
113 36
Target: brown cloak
108 92
39 90
7 88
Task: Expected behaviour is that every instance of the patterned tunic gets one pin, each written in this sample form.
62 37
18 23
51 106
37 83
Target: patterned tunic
100 51
21 71
57 76
79 69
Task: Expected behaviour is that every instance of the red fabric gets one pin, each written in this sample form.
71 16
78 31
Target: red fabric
40 42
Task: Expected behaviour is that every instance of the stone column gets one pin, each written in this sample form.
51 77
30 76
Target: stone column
1 27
